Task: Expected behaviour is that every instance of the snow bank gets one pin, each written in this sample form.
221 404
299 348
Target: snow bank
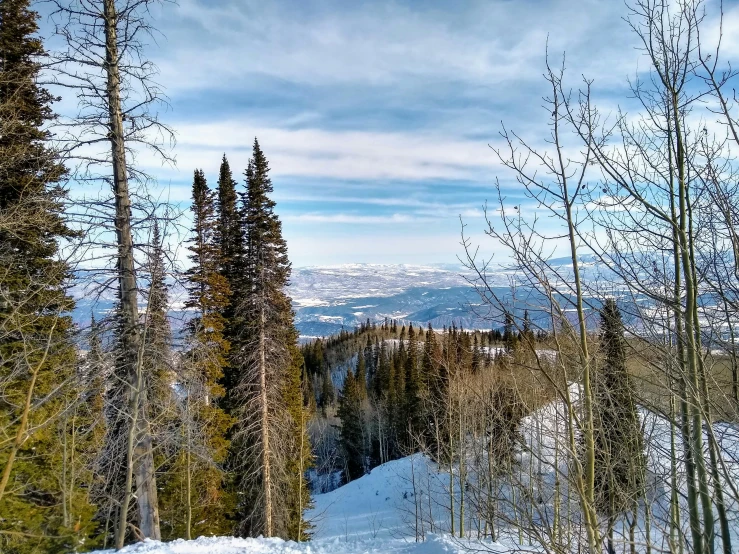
231 545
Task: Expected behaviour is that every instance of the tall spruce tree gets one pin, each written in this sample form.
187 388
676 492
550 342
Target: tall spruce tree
230 239
270 443
37 356
619 444
413 391
350 437
230 228
157 355
194 501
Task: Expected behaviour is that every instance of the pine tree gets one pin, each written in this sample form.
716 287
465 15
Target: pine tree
230 228
328 394
510 337
476 355
193 501
527 333
157 356
361 376
299 456
351 439
383 377
230 240
413 390
268 443
369 362
619 445
37 355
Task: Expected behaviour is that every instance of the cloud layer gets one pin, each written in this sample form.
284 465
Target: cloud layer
377 116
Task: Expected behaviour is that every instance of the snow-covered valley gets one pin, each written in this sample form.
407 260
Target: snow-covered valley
327 299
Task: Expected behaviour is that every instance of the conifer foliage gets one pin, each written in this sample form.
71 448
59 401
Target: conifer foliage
619 444
269 445
194 500
37 356
350 414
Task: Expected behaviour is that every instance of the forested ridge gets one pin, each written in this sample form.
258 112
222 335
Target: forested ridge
599 417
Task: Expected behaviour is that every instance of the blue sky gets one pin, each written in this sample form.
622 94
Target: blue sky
376 116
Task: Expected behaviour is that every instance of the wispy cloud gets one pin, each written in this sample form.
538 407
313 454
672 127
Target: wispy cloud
377 116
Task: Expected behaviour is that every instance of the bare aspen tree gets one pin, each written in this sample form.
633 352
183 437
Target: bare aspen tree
647 209
559 191
659 167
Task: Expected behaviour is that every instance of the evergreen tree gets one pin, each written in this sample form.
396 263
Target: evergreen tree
361 376
433 382
328 394
476 356
193 501
413 389
383 378
510 337
37 355
157 357
369 361
229 235
298 453
527 333
230 228
428 362
351 440
269 443
619 445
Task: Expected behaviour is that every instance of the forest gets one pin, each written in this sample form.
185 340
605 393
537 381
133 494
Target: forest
593 414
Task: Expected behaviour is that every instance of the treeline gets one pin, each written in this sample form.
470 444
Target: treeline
135 436
461 398
386 384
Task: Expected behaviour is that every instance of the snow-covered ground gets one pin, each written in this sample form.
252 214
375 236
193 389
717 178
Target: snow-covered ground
401 501
231 545
371 515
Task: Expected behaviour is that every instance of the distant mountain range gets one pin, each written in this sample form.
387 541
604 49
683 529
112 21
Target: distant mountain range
328 299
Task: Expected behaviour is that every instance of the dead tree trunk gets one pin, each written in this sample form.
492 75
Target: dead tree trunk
130 361
266 468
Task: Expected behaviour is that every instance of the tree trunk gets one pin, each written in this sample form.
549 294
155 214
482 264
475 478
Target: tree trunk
130 360
266 468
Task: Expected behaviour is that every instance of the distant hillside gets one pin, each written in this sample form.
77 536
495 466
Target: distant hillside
329 299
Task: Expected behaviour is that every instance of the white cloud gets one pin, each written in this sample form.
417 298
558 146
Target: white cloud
350 155
357 219
380 43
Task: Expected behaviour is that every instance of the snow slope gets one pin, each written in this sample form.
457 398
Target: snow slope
371 515
384 511
231 545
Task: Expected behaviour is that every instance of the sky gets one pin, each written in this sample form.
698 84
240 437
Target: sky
377 117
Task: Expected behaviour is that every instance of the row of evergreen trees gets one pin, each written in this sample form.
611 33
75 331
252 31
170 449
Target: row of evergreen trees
226 413
406 391
400 381
219 423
